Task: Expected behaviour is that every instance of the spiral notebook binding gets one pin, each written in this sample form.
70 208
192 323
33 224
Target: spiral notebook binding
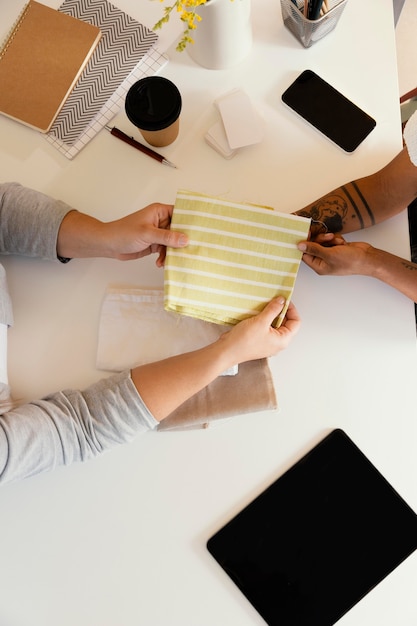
13 30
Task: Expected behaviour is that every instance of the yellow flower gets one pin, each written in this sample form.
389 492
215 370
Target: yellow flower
187 14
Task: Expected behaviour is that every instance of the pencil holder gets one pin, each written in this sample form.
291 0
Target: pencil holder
309 31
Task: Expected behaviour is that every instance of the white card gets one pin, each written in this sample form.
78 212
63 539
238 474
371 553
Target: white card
216 138
241 122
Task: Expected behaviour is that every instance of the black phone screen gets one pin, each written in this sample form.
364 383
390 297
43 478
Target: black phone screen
320 104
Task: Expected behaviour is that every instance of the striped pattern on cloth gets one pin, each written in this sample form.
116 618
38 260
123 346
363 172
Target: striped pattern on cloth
239 257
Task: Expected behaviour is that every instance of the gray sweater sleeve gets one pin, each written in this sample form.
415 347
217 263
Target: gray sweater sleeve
29 221
29 225
67 426
70 426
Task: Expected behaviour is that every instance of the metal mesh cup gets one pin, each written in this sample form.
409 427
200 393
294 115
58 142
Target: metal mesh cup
309 31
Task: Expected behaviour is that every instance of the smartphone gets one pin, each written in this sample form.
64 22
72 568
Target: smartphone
328 110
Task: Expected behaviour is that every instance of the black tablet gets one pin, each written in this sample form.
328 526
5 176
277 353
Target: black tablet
319 538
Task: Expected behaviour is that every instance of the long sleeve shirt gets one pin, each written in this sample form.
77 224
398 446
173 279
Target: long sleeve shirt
69 425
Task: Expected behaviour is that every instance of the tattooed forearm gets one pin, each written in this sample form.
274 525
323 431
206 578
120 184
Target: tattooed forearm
346 206
409 266
359 205
364 202
330 210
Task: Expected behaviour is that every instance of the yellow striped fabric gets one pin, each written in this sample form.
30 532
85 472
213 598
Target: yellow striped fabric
239 257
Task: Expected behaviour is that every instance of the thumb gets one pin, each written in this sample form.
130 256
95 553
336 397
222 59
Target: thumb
176 239
169 238
273 309
309 247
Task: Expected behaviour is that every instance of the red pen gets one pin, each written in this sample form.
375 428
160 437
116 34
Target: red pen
135 144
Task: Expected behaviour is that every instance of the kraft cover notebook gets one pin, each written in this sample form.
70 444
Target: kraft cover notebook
239 257
40 63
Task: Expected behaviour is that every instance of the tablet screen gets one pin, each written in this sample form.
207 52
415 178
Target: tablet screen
319 538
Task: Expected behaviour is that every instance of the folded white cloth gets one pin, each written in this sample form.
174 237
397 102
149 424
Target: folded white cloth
135 329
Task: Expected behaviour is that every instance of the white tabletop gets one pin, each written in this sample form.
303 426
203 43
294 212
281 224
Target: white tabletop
121 540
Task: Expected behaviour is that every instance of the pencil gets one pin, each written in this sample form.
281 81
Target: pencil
132 142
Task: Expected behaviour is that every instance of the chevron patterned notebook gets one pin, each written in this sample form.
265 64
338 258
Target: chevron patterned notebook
151 64
123 44
240 256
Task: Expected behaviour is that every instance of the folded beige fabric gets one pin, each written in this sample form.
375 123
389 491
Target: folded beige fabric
135 329
251 390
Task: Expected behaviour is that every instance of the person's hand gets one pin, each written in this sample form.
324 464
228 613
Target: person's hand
331 254
144 232
165 385
327 239
132 237
256 338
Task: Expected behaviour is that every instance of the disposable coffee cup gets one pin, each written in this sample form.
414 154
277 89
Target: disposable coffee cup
153 105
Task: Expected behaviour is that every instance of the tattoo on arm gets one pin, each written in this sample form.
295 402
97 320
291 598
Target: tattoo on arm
355 207
409 266
365 204
330 210
355 204
333 210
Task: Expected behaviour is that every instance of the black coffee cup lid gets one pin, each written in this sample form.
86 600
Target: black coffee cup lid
153 103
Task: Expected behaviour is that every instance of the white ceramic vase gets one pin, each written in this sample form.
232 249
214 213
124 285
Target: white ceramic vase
223 38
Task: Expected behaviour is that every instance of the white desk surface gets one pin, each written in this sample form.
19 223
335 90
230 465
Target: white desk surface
121 541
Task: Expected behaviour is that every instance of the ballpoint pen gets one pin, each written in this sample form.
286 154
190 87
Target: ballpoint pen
132 142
